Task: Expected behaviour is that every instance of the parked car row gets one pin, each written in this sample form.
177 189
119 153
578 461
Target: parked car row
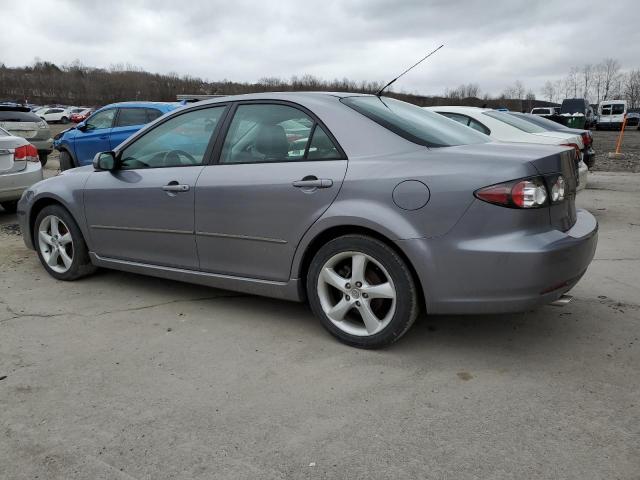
507 127
252 193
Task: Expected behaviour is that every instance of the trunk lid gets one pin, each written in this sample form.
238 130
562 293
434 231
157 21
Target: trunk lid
8 164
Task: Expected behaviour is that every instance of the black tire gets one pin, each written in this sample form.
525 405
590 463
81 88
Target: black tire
81 265
66 160
407 298
10 206
43 156
64 120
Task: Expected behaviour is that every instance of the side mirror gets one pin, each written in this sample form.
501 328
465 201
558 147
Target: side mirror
81 126
104 161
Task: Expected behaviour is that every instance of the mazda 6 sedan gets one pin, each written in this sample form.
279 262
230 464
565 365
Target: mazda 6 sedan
369 208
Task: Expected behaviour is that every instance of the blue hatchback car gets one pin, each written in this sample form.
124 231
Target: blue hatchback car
105 130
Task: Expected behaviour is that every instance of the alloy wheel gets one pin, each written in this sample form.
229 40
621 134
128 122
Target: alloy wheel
357 293
55 244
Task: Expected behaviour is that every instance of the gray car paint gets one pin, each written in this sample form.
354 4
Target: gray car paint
244 215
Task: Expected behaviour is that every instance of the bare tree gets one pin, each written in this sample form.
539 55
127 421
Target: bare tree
549 91
572 83
611 67
632 88
587 72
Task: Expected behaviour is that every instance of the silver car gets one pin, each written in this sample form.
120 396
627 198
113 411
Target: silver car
21 122
370 208
19 169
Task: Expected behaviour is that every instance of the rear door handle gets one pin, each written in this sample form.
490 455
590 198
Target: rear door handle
313 182
175 187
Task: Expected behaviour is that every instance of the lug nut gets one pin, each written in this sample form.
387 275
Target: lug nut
347 298
358 284
348 285
357 304
365 295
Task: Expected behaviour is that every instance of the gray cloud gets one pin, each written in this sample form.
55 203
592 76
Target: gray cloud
491 43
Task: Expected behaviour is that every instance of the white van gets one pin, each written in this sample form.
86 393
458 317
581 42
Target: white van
611 114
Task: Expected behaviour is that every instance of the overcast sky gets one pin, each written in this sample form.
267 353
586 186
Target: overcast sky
492 43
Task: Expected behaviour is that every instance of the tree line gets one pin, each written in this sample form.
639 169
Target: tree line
596 82
45 82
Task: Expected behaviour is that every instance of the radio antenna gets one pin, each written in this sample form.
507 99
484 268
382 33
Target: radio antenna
379 92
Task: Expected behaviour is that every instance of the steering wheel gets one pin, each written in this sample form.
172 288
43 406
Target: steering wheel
172 158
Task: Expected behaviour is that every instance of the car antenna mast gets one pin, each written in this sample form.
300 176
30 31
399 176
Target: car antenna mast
379 92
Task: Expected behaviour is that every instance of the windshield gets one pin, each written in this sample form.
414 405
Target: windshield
518 123
414 123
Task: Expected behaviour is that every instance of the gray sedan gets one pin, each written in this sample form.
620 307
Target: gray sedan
370 208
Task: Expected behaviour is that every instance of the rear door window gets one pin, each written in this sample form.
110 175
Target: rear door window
131 116
275 133
152 114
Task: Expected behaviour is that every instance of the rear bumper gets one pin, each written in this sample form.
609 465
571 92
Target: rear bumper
43 146
505 273
589 157
13 184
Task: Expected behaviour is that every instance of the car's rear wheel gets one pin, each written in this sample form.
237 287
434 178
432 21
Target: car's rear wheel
362 291
10 206
66 161
64 120
43 158
60 244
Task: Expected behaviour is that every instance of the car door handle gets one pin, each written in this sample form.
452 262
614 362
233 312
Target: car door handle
313 182
175 187
103 137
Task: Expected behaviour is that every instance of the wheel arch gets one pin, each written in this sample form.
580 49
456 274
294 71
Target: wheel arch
40 204
301 267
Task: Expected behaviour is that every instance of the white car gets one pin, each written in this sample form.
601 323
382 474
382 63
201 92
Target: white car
545 111
19 169
504 127
56 114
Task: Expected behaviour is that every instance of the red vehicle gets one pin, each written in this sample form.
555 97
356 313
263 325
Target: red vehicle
82 115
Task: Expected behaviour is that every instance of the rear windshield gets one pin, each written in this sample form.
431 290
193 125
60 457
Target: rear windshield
516 122
4 133
414 123
576 105
545 123
13 116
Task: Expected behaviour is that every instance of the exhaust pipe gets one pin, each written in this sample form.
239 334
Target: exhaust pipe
562 301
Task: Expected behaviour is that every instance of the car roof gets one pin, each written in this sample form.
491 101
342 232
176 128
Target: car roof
161 105
458 108
298 96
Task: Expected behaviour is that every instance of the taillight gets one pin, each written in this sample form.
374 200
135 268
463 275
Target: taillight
586 138
527 193
27 153
576 149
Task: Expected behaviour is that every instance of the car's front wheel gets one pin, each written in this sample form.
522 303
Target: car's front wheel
362 291
60 244
66 161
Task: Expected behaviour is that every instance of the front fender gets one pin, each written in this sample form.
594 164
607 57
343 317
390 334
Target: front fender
65 189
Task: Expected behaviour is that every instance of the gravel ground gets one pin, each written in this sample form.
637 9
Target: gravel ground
605 142
121 376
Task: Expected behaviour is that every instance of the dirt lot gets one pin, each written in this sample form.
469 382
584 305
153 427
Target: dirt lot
605 142
120 376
